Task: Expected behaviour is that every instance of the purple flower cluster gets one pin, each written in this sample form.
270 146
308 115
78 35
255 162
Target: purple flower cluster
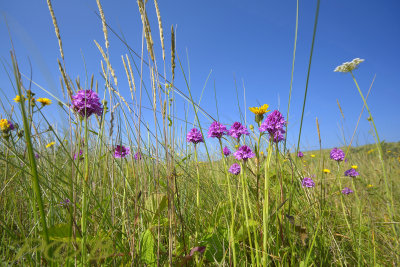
307 182
194 136
300 154
234 169
351 172
65 203
80 155
11 127
86 103
274 124
226 151
244 153
121 151
237 130
346 191
337 154
137 156
217 130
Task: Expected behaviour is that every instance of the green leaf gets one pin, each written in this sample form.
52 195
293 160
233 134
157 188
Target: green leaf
241 234
147 248
59 232
161 207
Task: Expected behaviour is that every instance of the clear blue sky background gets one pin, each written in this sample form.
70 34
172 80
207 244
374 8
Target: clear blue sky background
249 40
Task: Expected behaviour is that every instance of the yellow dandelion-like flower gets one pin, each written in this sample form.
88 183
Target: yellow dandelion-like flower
18 98
262 153
312 155
388 151
326 171
304 161
370 151
44 101
370 185
260 110
50 144
354 166
4 125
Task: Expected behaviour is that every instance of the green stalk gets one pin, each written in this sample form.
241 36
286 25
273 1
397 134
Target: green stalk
266 205
390 204
84 200
251 216
313 243
341 198
197 192
231 237
308 73
244 186
291 76
32 160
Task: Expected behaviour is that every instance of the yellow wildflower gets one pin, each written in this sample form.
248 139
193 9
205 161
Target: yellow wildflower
370 185
50 144
312 155
18 98
260 110
354 166
326 171
370 151
44 101
4 125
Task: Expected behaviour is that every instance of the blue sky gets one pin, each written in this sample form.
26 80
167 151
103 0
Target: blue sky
249 40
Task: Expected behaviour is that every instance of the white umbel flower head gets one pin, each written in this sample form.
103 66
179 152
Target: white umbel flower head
349 66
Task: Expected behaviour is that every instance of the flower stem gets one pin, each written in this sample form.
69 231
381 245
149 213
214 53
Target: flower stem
231 232
390 204
266 205
84 189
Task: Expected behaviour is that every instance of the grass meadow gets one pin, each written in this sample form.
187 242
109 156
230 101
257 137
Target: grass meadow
112 189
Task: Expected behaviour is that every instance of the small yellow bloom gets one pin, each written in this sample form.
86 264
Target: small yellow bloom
304 161
18 98
354 166
370 185
370 151
389 151
262 153
312 155
326 171
44 101
50 144
4 125
260 110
